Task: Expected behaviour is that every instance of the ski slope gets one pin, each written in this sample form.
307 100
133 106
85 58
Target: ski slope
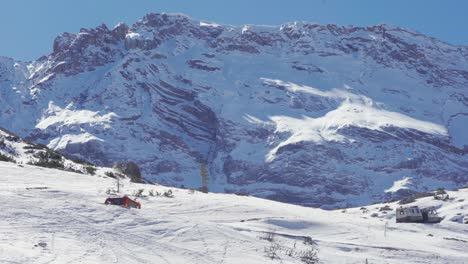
68 223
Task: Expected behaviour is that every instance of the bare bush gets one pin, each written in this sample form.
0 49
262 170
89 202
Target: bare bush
385 208
168 194
6 158
291 251
309 256
90 169
138 193
48 159
272 251
110 174
269 236
111 191
308 240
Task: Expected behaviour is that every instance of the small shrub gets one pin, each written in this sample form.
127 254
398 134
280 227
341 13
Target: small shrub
54 155
35 146
13 138
90 170
309 256
48 164
6 158
80 161
154 193
110 174
111 191
272 251
385 208
291 251
139 193
168 194
308 240
48 159
269 236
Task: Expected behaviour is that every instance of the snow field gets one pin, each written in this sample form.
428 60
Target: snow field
68 223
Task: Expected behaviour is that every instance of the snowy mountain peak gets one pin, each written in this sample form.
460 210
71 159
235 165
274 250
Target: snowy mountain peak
319 115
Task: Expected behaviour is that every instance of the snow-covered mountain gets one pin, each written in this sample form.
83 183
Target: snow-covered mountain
319 115
50 216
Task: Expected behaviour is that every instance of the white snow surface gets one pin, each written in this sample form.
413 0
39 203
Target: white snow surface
132 35
58 116
208 24
68 223
400 185
355 110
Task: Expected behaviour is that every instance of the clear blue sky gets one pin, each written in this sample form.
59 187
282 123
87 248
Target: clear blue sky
28 27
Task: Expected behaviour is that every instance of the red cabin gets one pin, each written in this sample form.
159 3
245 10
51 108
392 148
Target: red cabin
123 201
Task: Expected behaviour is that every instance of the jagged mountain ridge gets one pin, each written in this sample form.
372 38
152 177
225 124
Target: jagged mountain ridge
320 115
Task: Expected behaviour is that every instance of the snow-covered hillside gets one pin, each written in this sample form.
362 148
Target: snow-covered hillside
52 216
17 150
319 115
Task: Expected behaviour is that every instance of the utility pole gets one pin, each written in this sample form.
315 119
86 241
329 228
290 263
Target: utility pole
204 177
118 184
385 229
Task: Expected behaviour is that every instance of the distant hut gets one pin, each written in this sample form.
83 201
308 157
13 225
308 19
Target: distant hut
430 215
415 215
408 215
123 201
441 194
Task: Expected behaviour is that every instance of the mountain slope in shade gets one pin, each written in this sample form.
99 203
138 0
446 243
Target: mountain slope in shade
319 115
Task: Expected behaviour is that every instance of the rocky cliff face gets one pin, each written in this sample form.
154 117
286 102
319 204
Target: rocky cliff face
320 115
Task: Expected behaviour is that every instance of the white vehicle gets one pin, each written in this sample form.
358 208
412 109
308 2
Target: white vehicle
415 215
